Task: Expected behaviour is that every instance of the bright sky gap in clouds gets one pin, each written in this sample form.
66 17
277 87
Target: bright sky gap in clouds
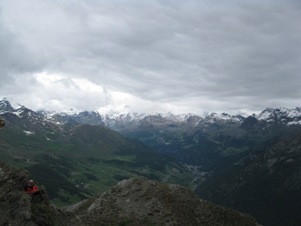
151 55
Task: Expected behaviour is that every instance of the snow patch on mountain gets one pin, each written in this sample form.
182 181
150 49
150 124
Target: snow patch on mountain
281 115
223 117
28 133
294 123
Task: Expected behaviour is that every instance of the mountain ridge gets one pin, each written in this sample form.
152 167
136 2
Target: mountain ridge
115 120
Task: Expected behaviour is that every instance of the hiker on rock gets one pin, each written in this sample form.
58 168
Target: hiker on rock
32 189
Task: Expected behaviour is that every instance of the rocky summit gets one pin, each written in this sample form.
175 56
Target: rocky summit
139 201
134 202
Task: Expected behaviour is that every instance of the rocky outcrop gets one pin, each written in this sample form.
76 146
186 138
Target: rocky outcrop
19 209
144 202
249 123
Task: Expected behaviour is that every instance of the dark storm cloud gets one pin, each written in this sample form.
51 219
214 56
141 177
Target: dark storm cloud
207 55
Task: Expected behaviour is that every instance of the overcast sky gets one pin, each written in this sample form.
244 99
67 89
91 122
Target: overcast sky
151 55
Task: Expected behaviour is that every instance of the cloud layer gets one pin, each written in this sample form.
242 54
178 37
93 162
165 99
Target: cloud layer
185 56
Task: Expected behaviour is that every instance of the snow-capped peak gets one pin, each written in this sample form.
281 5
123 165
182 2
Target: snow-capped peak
281 115
7 107
219 117
270 115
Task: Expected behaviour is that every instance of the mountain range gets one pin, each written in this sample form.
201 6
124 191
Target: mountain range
249 163
85 159
117 121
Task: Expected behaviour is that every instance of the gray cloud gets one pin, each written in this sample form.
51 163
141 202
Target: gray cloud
196 55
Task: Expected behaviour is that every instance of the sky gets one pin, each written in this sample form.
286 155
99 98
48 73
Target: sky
234 56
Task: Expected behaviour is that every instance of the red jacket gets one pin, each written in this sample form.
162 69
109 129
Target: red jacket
32 189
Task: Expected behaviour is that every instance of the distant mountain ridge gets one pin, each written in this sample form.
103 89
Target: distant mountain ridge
117 121
281 116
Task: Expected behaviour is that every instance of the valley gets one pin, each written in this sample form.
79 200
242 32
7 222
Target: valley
248 163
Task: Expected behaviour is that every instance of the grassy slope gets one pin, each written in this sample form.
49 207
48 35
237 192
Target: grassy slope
89 160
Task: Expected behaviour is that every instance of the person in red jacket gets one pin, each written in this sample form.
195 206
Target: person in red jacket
32 189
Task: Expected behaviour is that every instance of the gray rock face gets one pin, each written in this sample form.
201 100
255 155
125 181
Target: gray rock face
14 203
144 202
18 209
